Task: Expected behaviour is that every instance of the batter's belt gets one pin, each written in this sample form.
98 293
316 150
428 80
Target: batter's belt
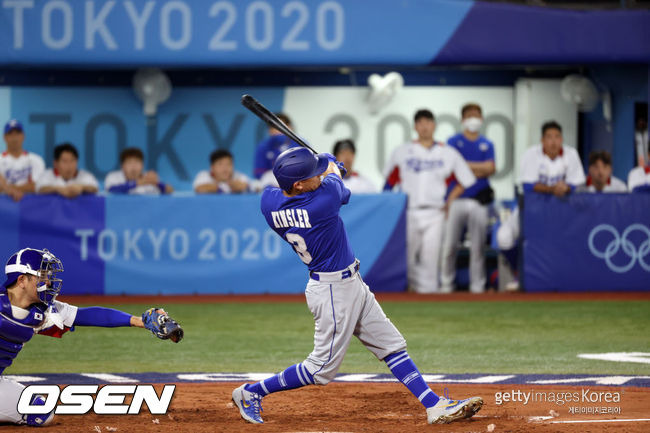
331 277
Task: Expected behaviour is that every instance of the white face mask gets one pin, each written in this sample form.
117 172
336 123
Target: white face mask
472 124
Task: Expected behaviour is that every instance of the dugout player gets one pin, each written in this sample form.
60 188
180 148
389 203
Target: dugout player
28 306
65 178
131 178
345 151
551 167
600 177
471 208
423 168
305 213
19 169
546 168
269 149
222 177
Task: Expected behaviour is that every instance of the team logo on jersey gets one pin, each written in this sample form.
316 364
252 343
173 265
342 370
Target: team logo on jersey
483 147
109 400
624 243
418 165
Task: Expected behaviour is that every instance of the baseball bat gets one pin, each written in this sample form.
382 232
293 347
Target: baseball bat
272 120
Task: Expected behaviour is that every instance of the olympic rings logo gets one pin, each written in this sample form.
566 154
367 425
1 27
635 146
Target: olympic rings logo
622 242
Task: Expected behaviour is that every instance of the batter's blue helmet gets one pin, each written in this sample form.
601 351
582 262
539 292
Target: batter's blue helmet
40 263
298 163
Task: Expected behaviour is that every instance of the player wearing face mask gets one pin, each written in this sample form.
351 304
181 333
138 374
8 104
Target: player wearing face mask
471 208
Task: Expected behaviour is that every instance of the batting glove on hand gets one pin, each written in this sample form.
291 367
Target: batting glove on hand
161 325
339 164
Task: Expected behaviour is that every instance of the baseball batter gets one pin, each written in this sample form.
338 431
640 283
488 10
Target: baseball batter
19 169
423 169
28 306
471 208
305 213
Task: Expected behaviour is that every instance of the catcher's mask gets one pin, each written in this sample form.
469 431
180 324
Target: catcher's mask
40 263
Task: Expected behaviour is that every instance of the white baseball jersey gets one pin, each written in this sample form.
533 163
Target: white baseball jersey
52 178
18 171
537 167
613 185
359 184
424 173
117 177
639 176
205 177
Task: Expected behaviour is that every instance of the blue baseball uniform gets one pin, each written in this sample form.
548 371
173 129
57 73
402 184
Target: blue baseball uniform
341 303
479 150
310 222
467 211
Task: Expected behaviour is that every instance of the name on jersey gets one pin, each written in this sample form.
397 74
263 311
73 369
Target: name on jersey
418 165
291 218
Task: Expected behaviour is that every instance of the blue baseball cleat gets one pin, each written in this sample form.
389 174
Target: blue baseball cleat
249 404
447 410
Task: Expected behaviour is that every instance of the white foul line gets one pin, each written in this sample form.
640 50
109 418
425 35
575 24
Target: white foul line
577 421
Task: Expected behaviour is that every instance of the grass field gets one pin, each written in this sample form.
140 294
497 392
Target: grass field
443 337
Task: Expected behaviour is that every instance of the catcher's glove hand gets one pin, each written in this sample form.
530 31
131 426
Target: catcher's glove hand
161 325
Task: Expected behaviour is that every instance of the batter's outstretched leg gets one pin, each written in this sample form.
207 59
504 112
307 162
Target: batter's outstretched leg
440 410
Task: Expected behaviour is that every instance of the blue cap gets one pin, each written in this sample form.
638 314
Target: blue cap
13 125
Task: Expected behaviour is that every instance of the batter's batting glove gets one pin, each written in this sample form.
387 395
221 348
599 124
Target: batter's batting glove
161 325
339 164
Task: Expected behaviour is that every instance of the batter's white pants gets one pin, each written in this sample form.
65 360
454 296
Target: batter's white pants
465 212
342 308
424 237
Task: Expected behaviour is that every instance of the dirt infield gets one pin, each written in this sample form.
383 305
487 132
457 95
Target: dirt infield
381 297
357 407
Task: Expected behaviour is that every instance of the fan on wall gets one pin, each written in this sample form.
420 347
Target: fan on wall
383 90
582 92
153 87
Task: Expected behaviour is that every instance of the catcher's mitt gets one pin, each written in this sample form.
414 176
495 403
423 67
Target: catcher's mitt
161 325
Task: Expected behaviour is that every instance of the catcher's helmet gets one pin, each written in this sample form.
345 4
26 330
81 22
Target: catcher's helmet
298 163
40 263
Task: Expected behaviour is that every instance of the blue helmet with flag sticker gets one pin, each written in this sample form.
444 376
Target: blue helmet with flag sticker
40 263
296 164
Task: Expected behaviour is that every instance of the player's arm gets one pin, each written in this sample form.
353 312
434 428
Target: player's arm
482 168
155 320
456 192
27 187
89 189
206 188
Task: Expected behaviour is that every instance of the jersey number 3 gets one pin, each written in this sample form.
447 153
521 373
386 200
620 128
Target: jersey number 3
298 243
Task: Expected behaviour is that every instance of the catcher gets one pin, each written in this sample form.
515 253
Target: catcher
28 306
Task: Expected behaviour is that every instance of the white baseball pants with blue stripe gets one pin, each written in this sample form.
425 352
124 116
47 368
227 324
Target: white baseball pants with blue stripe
343 308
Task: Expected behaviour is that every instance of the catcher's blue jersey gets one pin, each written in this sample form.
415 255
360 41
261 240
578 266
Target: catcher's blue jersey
15 332
310 223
